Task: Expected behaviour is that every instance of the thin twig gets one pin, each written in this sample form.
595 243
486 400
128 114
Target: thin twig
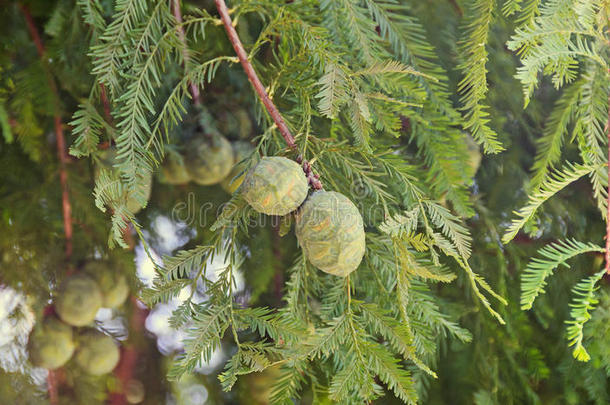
262 93
105 103
185 53
52 383
63 179
52 387
130 353
59 134
252 76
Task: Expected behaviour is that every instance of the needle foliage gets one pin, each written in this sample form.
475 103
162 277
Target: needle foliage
413 110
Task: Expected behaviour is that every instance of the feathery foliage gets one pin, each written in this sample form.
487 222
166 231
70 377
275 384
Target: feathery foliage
533 280
567 41
556 182
384 99
473 86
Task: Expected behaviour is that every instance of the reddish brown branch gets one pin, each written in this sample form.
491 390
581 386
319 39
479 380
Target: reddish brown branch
59 134
105 103
126 369
63 179
52 383
52 387
185 53
252 76
33 30
262 93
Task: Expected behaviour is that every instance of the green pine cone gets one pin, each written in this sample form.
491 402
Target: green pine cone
97 353
51 344
173 171
78 300
330 230
208 161
241 151
113 285
275 186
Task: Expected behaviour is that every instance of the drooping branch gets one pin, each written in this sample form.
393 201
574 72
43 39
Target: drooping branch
185 53
59 134
262 93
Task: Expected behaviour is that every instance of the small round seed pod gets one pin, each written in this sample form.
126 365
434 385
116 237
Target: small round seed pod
97 353
113 285
208 161
51 344
78 300
275 186
173 171
330 230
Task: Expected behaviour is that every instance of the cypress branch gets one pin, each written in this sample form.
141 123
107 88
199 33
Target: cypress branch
261 92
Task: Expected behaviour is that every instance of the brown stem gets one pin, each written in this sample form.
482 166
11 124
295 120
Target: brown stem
126 369
261 92
63 178
252 76
33 30
52 382
52 387
105 103
123 373
59 134
185 53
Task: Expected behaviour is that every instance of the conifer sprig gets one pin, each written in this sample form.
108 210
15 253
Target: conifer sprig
533 280
554 184
566 40
584 301
473 86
